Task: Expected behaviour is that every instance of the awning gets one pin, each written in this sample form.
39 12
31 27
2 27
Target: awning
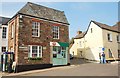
63 44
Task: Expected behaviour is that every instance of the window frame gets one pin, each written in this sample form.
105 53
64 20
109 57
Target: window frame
109 37
12 31
110 53
55 30
2 49
39 51
118 38
34 28
118 53
91 29
4 32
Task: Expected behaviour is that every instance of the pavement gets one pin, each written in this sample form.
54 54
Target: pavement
77 68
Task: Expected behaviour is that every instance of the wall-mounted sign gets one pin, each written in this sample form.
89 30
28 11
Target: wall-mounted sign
54 44
44 48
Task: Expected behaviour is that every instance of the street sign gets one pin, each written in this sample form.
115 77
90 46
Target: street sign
103 49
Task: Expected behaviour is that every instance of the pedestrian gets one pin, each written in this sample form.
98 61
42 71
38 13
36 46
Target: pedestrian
14 66
100 57
103 58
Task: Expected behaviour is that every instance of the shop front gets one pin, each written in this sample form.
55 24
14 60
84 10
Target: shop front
59 54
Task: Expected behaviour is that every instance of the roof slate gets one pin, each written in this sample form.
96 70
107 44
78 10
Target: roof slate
115 28
4 20
80 35
44 12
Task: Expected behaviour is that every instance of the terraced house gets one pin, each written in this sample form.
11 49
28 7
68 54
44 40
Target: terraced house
97 39
3 35
39 37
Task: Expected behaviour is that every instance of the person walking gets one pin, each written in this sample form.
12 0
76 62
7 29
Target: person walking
100 57
103 58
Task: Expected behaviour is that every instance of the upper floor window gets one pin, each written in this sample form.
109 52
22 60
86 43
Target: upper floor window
80 43
55 31
109 37
12 32
35 51
35 29
4 49
91 30
118 38
4 32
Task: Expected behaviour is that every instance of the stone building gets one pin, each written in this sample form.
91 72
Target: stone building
39 37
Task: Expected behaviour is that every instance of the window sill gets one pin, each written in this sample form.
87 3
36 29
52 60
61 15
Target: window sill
35 36
109 41
4 38
118 42
56 38
35 58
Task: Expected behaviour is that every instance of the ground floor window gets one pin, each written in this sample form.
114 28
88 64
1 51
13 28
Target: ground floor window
59 52
35 51
118 53
4 49
110 53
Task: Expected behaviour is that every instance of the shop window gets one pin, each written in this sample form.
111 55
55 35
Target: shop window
59 52
63 49
35 51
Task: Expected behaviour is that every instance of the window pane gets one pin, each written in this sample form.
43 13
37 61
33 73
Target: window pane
35 51
4 32
35 28
3 49
55 31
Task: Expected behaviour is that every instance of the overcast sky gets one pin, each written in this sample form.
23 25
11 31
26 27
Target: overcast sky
79 14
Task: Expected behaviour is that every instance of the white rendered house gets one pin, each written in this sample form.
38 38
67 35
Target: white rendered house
97 39
3 35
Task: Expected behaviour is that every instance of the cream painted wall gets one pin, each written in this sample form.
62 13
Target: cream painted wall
93 42
111 45
78 44
3 42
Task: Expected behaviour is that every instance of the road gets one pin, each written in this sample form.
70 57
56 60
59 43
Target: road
89 69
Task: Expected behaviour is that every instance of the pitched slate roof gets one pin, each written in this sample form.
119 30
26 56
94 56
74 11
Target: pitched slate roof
44 12
4 20
115 28
80 35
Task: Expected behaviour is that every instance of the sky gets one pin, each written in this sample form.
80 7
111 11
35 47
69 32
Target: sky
79 14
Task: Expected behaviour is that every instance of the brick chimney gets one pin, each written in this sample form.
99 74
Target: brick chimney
79 32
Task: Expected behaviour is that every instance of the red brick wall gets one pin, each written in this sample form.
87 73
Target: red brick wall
25 38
